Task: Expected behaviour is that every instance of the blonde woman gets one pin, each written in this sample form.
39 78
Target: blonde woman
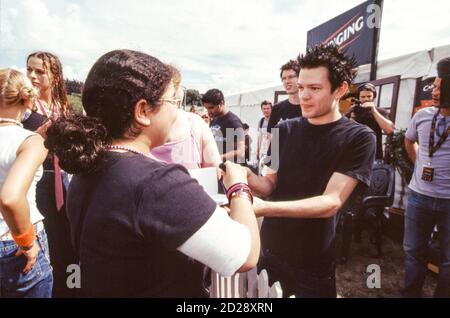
25 268
190 142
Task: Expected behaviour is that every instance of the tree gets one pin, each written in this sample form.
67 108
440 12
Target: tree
193 97
73 86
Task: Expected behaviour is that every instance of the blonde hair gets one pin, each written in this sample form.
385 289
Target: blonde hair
176 76
176 80
15 88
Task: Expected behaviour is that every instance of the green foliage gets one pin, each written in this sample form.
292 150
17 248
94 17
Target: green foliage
73 86
75 103
396 155
193 97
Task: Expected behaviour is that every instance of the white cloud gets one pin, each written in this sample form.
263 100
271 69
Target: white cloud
235 45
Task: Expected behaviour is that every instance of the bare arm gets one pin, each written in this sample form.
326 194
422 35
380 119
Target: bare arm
338 190
210 153
239 152
262 186
13 196
385 124
242 212
411 148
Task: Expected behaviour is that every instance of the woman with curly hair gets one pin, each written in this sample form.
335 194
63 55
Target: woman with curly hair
44 69
141 227
24 263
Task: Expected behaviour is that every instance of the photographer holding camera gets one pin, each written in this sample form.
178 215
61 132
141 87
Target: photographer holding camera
354 219
364 112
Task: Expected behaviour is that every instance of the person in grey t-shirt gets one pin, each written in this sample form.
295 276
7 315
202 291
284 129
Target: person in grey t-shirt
428 146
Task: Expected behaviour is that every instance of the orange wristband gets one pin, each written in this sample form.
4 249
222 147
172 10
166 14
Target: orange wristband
25 239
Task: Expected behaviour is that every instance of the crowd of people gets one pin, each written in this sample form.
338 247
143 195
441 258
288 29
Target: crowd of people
109 190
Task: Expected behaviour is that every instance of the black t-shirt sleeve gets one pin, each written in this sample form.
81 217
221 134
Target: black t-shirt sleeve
359 156
274 118
173 206
234 132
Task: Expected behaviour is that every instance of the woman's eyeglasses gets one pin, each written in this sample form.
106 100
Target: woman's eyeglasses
176 102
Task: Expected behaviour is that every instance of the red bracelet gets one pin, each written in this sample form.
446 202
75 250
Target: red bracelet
240 189
241 194
234 187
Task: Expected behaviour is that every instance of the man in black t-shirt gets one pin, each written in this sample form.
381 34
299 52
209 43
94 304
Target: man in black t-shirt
322 158
289 108
375 118
226 127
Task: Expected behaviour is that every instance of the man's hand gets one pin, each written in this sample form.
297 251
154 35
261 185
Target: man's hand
368 105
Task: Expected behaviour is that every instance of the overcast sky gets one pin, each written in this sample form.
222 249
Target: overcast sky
234 45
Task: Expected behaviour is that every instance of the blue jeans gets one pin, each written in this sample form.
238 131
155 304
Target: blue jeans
37 283
422 214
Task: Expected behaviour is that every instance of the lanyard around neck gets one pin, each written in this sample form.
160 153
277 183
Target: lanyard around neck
432 148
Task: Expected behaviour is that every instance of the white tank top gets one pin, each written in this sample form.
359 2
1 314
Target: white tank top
11 137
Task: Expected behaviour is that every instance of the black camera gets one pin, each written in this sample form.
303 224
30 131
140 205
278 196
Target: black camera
357 108
356 102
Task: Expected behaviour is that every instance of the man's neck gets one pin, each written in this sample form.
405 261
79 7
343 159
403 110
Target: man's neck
445 112
294 99
223 113
328 118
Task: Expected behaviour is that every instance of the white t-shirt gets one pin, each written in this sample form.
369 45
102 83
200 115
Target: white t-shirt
11 137
419 130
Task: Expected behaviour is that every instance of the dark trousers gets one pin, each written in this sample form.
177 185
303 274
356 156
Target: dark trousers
297 281
58 233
